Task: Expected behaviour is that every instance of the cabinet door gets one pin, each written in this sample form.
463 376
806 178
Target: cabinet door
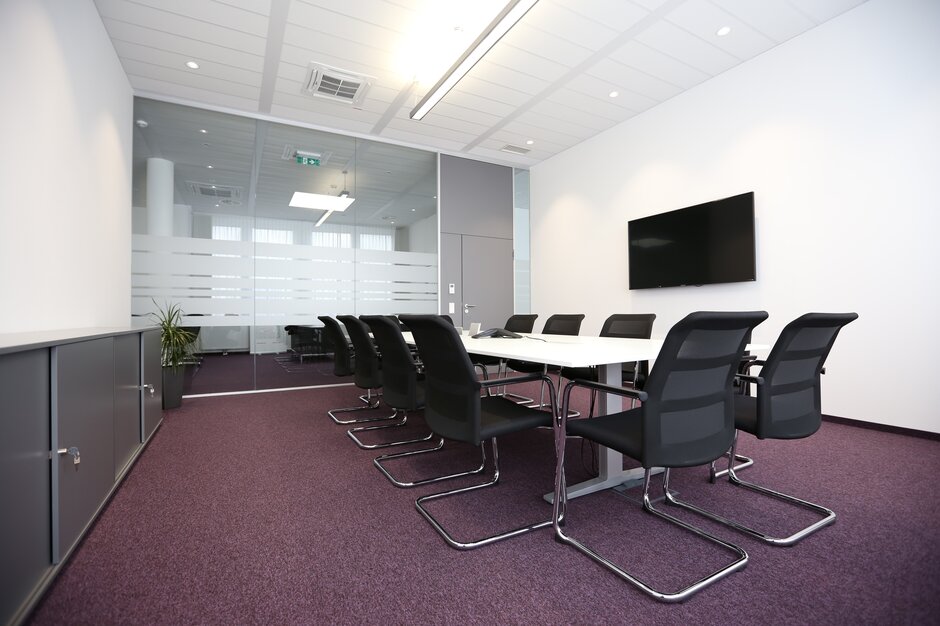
152 380
126 400
82 420
25 530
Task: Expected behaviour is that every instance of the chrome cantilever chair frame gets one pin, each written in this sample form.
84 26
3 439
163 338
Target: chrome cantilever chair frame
686 419
343 365
810 354
364 379
400 373
457 408
561 502
469 545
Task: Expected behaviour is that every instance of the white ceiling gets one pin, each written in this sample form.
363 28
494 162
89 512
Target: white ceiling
547 81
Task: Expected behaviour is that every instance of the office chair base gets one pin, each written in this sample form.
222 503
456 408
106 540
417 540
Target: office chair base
372 446
371 401
742 461
470 545
378 462
678 596
828 515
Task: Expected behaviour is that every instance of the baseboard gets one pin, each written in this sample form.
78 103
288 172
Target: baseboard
898 430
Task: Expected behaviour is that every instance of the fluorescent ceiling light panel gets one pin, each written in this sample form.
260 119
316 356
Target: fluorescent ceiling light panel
506 19
320 202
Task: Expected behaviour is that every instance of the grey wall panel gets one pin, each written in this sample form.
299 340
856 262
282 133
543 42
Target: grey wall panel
450 260
152 410
475 198
83 414
487 281
126 400
25 529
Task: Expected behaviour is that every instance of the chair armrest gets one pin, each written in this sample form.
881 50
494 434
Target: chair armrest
620 391
757 380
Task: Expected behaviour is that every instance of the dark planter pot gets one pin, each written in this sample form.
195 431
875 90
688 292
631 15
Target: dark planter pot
173 387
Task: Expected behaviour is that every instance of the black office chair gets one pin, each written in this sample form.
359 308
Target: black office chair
521 323
565 324
787 406
455 410
686 419
402 385
625 326
343 366
367 369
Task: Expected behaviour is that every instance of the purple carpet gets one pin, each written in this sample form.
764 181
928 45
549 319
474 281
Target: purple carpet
240 371
258 509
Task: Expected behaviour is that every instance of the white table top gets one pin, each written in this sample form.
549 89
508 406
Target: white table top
566 350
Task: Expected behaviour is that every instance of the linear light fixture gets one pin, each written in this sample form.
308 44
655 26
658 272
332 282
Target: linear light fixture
320 202
506 19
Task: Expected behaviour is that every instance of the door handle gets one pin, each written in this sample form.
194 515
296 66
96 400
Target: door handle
72 452
147 387
467 307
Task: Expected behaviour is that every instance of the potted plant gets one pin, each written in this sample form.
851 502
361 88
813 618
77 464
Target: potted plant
176 348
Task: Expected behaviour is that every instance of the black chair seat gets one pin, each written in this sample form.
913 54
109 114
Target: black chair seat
618 431
499 416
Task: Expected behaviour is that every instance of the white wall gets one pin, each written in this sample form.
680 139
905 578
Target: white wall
65 169
838 134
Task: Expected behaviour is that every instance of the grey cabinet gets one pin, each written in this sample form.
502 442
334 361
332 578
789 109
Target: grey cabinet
25 521
75 411
127 401
151 408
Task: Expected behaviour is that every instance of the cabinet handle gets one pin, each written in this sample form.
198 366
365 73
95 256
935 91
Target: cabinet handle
72 452
147 387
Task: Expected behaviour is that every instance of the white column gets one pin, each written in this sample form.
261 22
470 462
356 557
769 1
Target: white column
159 197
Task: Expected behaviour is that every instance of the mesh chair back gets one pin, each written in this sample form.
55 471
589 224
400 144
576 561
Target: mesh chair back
563 324
521 323
688 417
631 326
399 370
342 355
452 391
788 403
368 372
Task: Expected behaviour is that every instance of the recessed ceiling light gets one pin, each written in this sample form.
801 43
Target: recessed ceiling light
209 166
213 186
321 202
192 65
413 210
614 94
142 123
392 222
529 142
203 130
724 30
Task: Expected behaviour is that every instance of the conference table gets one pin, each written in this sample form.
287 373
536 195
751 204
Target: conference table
607 354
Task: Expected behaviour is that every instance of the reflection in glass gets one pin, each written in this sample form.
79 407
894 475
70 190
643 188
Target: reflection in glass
251 271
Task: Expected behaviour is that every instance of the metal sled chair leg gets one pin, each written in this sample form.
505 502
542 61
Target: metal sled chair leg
787 406
371 402
742 462
828 515
469 545
677 596
379 463
372 446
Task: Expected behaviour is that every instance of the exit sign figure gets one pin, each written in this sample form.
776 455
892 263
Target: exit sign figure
303 160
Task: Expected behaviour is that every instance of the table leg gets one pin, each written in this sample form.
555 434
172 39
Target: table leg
610 462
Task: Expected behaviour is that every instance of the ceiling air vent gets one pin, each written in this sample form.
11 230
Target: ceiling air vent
514 149
334 84
231 195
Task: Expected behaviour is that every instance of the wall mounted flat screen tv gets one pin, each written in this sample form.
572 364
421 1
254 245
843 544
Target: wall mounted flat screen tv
699 245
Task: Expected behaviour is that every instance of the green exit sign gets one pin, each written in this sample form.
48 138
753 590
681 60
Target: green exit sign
303 160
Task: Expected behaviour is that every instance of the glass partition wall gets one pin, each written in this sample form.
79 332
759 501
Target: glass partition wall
214 231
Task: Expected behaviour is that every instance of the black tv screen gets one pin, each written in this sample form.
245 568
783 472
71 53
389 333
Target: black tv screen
699 245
